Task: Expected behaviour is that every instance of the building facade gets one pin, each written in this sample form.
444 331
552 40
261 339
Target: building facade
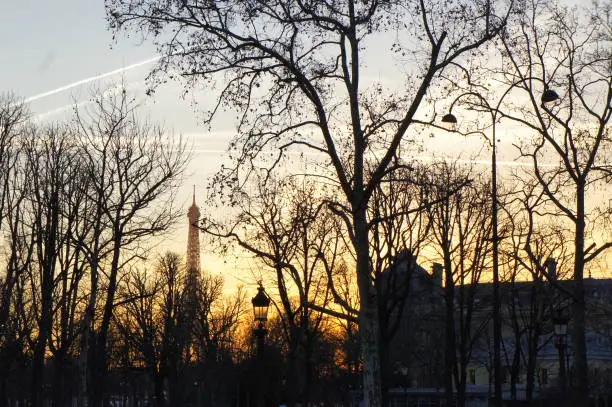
531 354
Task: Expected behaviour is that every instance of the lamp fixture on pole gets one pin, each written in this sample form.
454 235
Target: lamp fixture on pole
560 321
449 118
549 96
261 303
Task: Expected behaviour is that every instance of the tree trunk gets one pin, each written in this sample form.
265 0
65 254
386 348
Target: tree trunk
462 379
59 379
307 339
84 394
38 393
384 373
532 353
581 384
158 388
85 371
46 313
102 336
60 357
4 401
449 329
368 312
515 372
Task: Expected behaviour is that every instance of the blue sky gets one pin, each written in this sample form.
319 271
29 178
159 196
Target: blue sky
46 45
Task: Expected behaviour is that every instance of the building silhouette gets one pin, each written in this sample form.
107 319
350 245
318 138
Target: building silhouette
530 356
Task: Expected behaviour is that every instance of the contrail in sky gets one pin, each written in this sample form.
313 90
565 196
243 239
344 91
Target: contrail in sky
113 89
92 79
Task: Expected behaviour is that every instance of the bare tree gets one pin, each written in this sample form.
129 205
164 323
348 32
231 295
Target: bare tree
216 324
51 154
567 51
75 201
532 292
287 227
399 225
138 323
13 123
70 271
154 321
460 233
174 335
134 168
294 71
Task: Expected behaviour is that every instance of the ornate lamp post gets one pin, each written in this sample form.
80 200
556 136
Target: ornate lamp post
560 321
450 119
261 303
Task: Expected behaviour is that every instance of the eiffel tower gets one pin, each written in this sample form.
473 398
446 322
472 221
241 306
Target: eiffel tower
192 282
193 242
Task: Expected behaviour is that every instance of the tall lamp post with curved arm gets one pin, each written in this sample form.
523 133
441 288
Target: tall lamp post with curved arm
548 96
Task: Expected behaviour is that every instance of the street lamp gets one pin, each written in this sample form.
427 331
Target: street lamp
560 321
449 118
548 95
261 303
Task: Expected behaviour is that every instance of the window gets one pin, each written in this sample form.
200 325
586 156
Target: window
472 376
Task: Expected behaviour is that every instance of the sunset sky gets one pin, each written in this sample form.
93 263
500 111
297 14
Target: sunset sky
54 53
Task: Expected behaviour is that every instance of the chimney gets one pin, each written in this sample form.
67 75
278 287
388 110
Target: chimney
436 273
551 268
